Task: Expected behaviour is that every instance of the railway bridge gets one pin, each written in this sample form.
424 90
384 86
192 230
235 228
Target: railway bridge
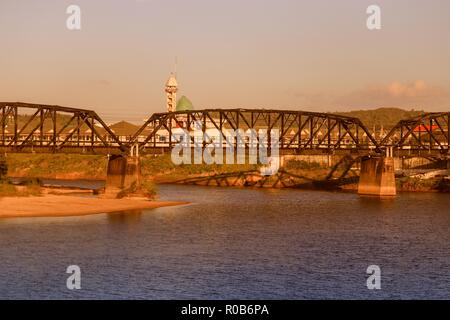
38 128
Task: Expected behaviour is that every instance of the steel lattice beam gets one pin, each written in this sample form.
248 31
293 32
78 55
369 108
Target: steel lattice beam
428 133
300 131
28 127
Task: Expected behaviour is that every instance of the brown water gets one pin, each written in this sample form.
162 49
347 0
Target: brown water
236 244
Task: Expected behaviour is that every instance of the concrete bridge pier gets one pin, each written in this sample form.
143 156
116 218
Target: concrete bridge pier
123 175
377 176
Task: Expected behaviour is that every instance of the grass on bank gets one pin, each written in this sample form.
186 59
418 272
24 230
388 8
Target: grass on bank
416 184
153 167
9 190
160 168
52 166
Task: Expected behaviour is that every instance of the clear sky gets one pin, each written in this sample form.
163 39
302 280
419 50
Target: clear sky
283 54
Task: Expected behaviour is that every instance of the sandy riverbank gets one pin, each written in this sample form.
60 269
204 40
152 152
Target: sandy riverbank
59 206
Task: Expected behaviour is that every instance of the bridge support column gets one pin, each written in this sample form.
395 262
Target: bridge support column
123 176
377 177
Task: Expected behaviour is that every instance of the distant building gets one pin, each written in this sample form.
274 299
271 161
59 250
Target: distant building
426 128
171 93
124 130
180 123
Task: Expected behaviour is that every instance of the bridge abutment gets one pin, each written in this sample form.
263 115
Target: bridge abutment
377 177
123 175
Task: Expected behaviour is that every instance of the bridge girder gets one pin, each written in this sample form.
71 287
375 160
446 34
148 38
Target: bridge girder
426 134
26 127
299 131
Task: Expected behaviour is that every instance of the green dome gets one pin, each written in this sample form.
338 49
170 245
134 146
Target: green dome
184 104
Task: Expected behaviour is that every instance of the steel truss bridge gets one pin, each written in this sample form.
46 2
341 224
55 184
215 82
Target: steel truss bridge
41 128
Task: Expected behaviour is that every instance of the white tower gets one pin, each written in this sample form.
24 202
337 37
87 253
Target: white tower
171 93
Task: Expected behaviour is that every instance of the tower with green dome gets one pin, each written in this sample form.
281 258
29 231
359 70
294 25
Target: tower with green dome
183 104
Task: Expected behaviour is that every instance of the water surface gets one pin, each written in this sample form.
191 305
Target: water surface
236 244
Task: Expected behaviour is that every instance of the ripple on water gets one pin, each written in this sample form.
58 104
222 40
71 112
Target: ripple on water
236 243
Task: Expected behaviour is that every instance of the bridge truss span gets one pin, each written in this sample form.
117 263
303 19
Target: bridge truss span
48 129
299 132
422 135
42 128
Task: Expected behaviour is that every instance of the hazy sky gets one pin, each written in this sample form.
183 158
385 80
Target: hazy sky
310 55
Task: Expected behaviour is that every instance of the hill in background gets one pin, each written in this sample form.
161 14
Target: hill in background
386 117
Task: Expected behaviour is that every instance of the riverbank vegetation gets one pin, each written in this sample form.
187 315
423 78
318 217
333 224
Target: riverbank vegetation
160 169
423 185
73 166
9 190
57 166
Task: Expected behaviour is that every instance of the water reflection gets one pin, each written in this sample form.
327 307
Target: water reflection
379 203
127 217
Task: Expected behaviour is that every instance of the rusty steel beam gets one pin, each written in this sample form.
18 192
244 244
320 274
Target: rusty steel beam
427 133
299 130
23 126
30 127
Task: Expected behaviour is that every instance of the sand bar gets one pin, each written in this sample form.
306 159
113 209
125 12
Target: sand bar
59 206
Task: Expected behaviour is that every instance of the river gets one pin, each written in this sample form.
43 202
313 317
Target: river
236 244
